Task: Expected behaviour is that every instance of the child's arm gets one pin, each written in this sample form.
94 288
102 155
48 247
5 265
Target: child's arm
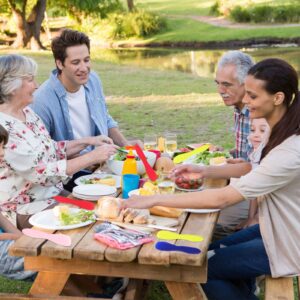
10 231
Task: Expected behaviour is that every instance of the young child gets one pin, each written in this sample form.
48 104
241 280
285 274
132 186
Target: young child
10 266
258 138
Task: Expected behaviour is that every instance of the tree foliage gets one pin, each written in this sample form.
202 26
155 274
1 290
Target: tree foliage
79 9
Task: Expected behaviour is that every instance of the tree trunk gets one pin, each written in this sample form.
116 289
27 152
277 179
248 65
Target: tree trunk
130 5
29 30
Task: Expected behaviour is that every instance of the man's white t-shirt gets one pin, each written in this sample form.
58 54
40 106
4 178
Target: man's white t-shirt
79 114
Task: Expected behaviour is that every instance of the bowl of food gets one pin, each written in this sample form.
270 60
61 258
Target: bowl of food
116 162
188 184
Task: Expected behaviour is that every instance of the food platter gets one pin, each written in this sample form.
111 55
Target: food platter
92 179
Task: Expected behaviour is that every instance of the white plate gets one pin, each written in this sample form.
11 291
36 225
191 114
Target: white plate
46 219
134 192
79 180
94 190
91 198
189 190
201 211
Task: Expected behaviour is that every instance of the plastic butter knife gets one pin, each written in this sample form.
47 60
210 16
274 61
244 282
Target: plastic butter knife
82 204
182 157
167 235
165 246
58 238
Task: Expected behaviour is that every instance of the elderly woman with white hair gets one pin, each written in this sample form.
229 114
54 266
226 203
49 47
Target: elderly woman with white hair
34 165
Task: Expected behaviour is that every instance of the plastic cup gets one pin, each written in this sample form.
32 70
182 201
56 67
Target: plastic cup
130 182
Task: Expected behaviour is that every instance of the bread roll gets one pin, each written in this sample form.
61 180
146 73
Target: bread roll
109 207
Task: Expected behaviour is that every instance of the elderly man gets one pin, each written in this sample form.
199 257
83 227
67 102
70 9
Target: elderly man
231 73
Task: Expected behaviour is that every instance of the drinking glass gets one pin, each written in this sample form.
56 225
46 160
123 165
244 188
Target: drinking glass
171 142
165 184
150 141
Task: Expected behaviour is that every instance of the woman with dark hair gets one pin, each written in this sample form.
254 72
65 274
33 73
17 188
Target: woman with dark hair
272 247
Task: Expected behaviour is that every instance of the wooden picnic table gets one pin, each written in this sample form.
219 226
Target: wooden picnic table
181 272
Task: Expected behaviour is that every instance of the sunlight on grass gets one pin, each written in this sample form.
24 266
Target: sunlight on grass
194 117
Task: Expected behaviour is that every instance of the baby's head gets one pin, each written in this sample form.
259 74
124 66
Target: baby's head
3 141
259 132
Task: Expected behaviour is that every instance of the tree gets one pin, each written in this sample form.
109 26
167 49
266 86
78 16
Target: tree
130 5
28 28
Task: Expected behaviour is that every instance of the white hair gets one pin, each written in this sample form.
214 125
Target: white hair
241 60
13 68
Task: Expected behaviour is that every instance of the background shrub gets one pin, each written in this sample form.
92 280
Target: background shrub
283 13
135 24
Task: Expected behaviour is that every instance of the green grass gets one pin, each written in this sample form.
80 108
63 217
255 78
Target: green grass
189 30
185 29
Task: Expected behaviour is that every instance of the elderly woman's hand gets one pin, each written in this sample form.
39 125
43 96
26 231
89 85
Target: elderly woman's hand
104 152
100 140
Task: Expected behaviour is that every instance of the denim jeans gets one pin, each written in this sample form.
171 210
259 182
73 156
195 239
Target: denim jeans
234 263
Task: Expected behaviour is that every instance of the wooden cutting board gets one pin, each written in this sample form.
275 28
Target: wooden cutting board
161 221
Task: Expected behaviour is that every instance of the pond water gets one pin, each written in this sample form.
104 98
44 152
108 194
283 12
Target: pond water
198 62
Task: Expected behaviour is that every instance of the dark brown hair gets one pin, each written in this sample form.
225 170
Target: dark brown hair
279 76
68 38
3 135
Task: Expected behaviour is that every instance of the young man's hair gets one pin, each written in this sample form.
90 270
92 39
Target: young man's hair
279 76
3 135
68 38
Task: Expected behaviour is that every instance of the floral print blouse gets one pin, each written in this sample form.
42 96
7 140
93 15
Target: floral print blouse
34 165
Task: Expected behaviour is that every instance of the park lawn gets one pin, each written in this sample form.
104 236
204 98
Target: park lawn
180 28
156 101
197 7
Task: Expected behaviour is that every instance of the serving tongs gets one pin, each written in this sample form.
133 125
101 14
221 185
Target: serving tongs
150 172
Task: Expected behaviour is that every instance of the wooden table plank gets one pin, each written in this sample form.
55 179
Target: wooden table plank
53 250
200 224
28 246
176 273
150 255
89 248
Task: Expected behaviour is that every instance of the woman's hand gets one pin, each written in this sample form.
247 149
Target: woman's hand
139 202
247 223
235 160
104 152
188 171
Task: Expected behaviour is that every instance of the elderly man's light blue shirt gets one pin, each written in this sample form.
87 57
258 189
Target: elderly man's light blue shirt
51 105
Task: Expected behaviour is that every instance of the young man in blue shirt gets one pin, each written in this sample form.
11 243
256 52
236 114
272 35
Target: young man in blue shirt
71 102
